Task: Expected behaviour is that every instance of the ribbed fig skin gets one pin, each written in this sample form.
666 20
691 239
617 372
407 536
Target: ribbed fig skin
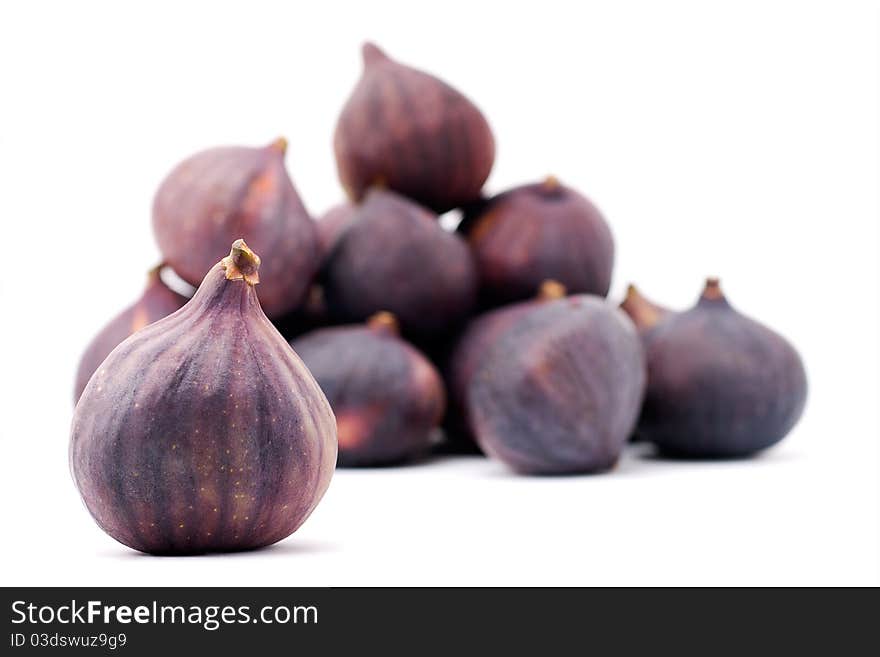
537 232
477 339
560 391
157 301
720 385
643 312
408 131
395 257
203 432
388 398
218 195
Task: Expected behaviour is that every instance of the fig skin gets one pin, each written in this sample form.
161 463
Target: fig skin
643 312
720 385
477 338
213 197
410 132
387 396
560 390
156 302
537 232
394 256
204 432
332 224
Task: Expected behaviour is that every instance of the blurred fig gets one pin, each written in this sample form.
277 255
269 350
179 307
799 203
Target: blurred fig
387 397
537 232
559 391
394 256
410 132
332 224
720 384
156 302
204 432
217 195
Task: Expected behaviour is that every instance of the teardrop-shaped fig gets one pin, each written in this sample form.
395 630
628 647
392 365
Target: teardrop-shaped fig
332 224
559 391
394 256
537 232
643 312
408 131
476 340
156 302
217 195
204 431
387 397
720 385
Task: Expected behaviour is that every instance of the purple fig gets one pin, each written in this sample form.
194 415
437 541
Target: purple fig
410 132
387 397
204 432
214 196
538 232
157 301
394 256
720 384
644 313
559 391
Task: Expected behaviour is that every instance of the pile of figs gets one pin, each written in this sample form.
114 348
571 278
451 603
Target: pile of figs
375 334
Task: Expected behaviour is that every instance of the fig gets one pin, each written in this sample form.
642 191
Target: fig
204 432
643 312
216 195
720 385
476 339
410 132
332 224
537 232
156 302
394 256
559 391
388 398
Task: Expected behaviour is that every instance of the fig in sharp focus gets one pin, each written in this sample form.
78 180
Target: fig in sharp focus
476 340
537 232
386 395
394 256
157 301
643 312
217 195
204 431
408 131
560 389
719 384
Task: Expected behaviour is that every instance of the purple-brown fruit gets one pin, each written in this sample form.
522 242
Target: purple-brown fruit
217 195
476 340
204 432
643 312
332 224
394 256
408 131
157 301
720 385
537 232
387 397
560 390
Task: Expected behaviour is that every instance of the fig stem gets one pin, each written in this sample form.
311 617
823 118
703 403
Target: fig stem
643 313
712 291
550 290
551 183
384 321
279 145
242 264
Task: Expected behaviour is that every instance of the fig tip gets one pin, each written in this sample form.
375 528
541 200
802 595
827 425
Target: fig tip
551 183
384 321
712 290
372 53
280 145
242 264
551 289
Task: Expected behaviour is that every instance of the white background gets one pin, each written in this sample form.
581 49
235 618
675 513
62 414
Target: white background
737 139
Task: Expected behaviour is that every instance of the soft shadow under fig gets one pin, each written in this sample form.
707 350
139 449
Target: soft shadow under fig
284 548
